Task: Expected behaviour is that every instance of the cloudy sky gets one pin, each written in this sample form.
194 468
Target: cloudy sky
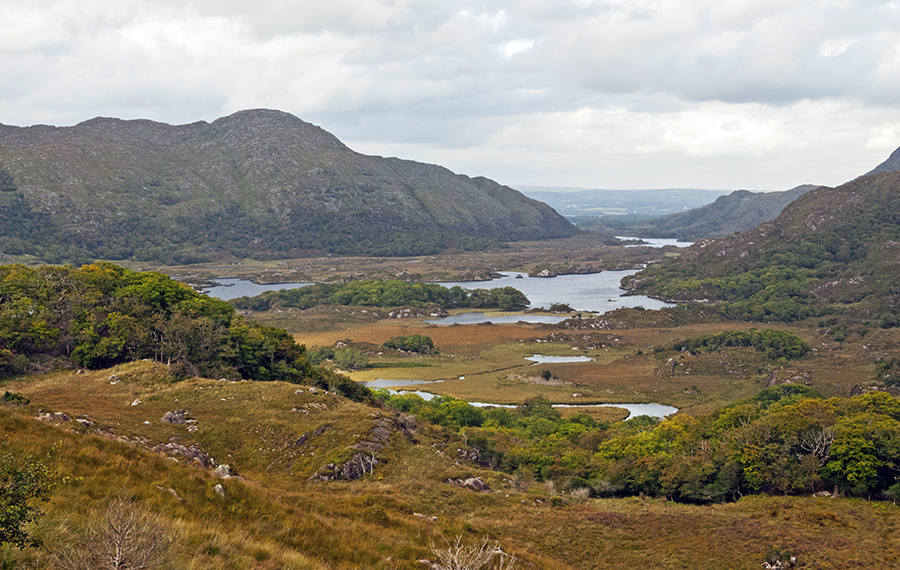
757 94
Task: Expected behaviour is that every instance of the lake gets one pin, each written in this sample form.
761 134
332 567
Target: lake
228 289
598 292
657 242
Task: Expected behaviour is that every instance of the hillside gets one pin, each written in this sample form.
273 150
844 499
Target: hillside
257 183
833 250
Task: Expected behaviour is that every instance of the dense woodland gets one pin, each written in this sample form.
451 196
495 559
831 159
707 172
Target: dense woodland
389 293
101 315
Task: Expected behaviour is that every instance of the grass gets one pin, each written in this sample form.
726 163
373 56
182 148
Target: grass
274 518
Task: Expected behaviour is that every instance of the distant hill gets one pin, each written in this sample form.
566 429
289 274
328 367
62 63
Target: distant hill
257 183
736 212
833 250
573 202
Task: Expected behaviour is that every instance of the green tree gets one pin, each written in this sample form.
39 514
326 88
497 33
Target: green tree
24 481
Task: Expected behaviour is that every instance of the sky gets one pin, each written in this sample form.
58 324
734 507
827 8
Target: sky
617 94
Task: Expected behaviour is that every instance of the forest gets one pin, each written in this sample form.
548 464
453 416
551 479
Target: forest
388 293
100 315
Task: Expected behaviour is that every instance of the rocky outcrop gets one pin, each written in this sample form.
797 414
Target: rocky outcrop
365 459
192 453
473 483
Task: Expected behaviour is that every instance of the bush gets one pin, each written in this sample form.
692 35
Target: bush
350 359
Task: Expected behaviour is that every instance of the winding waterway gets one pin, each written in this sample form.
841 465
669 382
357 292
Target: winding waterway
634 410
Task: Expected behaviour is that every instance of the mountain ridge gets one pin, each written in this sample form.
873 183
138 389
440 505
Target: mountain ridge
257 183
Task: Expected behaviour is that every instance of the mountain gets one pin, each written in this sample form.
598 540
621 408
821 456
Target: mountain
833 250
653 202
257 183
735 212
891 164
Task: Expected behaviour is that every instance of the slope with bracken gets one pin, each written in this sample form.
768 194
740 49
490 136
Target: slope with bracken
833 250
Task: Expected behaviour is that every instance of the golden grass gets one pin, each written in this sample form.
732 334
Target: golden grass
273 519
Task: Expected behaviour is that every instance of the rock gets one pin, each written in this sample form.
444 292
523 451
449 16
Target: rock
358 465
298 392
224 471
474 483
191 452
136 402
220 490
53 417
114 379
426 517
85 422
313 391
179 417
172 491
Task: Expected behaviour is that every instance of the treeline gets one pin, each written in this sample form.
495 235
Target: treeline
785 440
776 344
101 315
390 293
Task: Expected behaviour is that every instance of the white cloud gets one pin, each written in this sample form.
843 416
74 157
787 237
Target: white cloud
567 91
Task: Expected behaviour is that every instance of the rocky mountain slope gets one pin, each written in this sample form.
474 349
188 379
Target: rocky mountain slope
891 164
831 250
258 183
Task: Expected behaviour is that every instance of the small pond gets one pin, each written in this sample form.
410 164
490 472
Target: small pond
542 359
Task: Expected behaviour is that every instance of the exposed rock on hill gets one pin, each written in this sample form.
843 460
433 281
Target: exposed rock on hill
257 183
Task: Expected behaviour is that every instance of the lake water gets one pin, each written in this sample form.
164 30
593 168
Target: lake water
597 292
634 410
657 242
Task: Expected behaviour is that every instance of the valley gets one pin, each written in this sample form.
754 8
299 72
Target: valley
373 418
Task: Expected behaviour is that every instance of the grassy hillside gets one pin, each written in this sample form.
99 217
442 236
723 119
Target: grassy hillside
271 516
254 184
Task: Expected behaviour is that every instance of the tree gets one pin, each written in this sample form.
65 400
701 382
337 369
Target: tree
126 537
23 482
458 556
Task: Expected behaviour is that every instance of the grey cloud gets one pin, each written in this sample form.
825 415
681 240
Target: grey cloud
510 82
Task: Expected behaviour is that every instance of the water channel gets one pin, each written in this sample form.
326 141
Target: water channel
634 410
